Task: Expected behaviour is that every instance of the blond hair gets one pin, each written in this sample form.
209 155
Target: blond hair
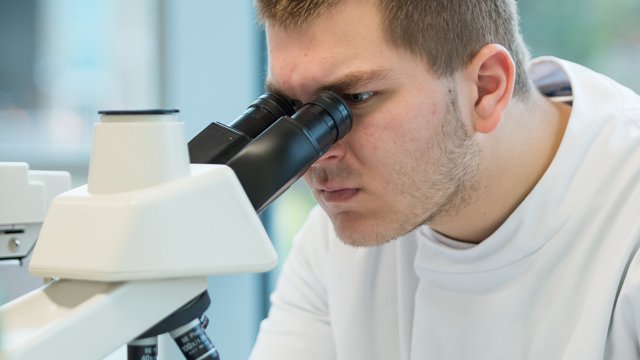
447 34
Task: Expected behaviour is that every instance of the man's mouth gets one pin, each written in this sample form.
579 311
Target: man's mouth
338 195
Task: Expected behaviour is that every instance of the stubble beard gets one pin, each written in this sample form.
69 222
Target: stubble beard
451 181
456 179
445 185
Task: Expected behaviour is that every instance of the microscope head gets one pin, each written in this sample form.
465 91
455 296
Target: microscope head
147 213
25 196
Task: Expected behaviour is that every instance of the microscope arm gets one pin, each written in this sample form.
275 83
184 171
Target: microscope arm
71 319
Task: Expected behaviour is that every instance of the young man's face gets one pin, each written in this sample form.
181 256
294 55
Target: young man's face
410 158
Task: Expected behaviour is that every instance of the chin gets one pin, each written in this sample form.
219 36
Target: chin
359 230
347 227
361 234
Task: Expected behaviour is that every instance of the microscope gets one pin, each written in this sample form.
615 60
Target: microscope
25 196
129 253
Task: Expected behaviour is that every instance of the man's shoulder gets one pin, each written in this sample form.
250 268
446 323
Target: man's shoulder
558 78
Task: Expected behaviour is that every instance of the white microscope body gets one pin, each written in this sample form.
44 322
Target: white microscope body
133 245
130 251
25 196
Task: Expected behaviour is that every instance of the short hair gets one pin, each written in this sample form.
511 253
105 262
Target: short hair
447 34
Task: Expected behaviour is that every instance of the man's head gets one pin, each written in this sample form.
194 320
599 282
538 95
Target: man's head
445 33
414 153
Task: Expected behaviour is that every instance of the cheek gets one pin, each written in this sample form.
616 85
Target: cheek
307 178
402 145
404 129
366 143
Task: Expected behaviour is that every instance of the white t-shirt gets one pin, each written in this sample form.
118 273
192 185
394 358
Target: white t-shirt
560 279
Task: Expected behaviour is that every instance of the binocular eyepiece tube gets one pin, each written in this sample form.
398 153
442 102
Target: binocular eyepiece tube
218 143
281 154
262 113
283 147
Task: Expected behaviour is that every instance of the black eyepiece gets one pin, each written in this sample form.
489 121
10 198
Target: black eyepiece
338 110
263 112
283 152
218 143
326 117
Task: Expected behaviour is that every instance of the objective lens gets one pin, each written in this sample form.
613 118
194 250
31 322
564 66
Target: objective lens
143 349
194 342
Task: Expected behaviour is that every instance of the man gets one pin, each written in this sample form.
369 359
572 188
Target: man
482 207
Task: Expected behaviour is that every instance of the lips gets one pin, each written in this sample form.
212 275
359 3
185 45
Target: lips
338 195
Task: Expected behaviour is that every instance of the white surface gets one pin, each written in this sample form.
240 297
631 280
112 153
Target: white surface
197 225
25 194
148 214
132 152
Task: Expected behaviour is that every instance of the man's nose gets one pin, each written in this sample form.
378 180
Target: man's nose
335 153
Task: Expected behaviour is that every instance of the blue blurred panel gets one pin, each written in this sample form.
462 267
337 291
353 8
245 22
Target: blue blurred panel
211 73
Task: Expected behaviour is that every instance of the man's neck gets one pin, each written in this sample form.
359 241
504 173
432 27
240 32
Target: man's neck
514 158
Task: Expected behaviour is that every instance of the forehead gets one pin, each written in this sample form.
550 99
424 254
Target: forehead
345 39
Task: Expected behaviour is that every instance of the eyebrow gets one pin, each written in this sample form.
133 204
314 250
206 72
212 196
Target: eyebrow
344 84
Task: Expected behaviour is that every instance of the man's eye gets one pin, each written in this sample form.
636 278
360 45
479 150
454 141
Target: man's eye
357 98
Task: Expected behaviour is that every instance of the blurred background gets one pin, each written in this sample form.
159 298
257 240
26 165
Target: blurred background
62 61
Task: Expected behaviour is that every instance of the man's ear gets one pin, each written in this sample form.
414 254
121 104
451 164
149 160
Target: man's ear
492 74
